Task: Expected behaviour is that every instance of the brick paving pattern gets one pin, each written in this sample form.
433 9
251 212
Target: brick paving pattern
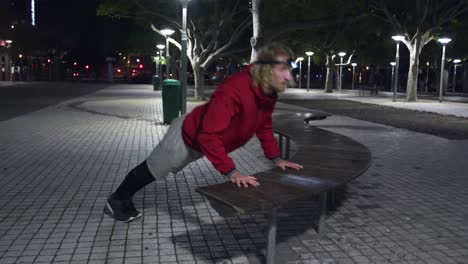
59 164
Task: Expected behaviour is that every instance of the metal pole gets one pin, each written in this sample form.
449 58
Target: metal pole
397 61
442 64
167 58
271 244
341 75
454 81
183 70
427 78
352 82
308 74
393 75
300 74
156 65
160 69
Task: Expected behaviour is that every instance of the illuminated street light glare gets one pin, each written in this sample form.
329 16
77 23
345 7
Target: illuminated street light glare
167 32
354 64
9 41
309 53
393 63
444 40
341 54
398 38
456 61
12 26
137 60
299 59
160 46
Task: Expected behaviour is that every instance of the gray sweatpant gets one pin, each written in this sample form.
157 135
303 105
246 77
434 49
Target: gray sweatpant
171 154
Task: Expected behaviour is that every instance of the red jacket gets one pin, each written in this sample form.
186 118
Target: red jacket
236 111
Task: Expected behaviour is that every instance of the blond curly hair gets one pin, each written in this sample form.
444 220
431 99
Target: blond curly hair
261 73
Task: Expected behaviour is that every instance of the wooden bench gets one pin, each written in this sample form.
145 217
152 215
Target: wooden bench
330 160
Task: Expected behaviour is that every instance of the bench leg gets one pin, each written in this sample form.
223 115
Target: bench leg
280 143
271 243
288 148
323 212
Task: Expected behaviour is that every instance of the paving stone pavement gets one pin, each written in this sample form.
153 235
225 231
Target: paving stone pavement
59 164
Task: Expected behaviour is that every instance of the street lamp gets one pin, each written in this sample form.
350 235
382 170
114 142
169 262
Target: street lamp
300 59
341 54
308 53
354 71
161 50
183 70
455 65
427 76
397 38
393 73
9 63
444 42
167 33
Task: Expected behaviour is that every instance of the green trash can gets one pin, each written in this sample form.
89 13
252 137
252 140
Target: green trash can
172 101
156 82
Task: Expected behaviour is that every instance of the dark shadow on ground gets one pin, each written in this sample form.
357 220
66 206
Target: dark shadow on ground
236 236
449 127
20 99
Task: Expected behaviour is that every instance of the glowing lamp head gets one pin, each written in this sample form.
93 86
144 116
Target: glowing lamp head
167 32
444 40
299 59
398 38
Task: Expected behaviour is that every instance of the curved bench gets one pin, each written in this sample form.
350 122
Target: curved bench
329 160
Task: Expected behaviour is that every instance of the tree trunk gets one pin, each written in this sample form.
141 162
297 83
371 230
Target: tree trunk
199 76
412 84
256 28
330 73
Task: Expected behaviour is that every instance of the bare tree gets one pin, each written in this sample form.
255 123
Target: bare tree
209 36
420 21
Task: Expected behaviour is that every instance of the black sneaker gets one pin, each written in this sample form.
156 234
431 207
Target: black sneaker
121 210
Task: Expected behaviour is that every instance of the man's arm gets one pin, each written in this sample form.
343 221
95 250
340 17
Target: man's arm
221 109
270 145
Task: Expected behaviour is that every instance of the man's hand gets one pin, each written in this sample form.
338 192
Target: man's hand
243 180
284 164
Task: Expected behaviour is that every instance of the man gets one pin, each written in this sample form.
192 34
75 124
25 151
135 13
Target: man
241 107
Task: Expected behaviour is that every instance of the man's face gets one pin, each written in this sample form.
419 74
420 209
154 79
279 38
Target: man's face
280 74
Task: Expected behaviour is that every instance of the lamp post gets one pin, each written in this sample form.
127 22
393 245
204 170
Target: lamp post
354 71
393 73
161 50
427 76
183 66
444 42
308 53
9 63
167 33
341 54
397 38
454 81
300 59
